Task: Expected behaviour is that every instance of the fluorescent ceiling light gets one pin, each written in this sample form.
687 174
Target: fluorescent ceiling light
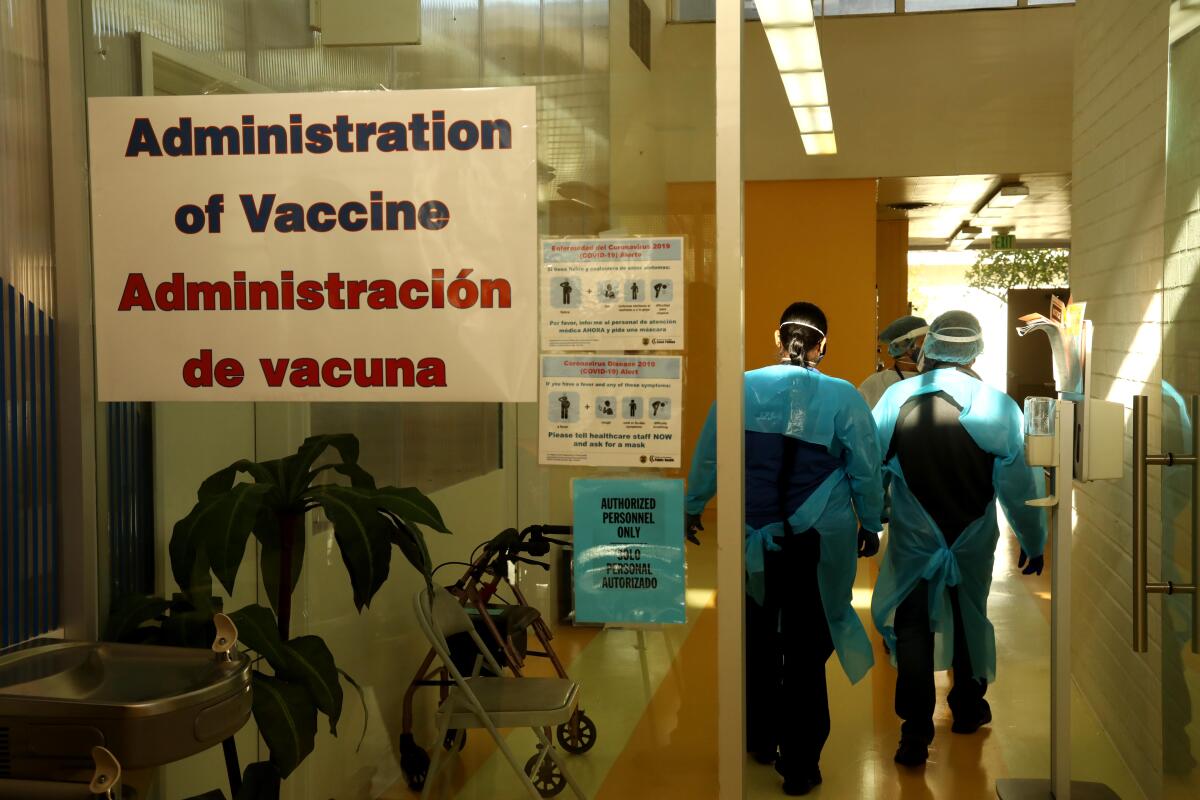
775 12
795 48
792 35
1009 196
819 144
959 244
805 88
814 119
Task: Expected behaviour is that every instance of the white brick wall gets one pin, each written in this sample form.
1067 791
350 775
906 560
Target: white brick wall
1117 267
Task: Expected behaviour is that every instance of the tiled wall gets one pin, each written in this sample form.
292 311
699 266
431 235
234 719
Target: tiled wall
1117 267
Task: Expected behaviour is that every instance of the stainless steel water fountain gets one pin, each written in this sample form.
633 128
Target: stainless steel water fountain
144 705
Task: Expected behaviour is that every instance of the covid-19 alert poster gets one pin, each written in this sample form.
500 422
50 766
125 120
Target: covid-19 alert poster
612 294
611 411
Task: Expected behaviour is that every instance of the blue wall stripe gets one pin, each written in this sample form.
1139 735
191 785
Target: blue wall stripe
52 467
130 497
44 445
7 573
29 527
14 465
22 409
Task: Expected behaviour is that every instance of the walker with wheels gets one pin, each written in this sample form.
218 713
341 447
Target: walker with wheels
504 626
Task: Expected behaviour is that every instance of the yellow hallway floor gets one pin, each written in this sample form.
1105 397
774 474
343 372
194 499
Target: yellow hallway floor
653 696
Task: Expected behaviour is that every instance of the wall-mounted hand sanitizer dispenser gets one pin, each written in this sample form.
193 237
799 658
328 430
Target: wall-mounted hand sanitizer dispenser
1099 434
1041 443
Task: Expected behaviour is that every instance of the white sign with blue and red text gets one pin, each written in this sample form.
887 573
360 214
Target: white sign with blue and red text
347 246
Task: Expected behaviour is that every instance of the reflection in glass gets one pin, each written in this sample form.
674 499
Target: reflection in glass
1180 384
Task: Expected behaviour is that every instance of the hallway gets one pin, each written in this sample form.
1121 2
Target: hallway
653 696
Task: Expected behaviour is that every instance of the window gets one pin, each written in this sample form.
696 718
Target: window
917 6
704 10
837 8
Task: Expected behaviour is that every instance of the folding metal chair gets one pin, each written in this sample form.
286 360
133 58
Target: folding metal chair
494 703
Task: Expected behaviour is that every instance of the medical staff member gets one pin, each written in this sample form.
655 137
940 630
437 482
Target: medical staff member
903 339
953 445
812 465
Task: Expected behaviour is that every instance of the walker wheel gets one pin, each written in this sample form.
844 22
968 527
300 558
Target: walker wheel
414 762
549 780
580 741
451 735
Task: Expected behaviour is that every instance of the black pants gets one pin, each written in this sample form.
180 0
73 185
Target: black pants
787 645
915 693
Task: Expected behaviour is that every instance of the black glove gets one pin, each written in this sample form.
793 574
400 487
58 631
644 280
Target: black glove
1036 564
868 543
691 524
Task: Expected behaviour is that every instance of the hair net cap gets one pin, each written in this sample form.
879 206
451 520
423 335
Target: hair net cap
899 335
955 337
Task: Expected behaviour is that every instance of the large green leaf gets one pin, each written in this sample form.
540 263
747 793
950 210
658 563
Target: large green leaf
363 536
412 544
287 720
225 524
258 630
267 531
359 477
362 698
411 505
276 468
131 612
346 445
311 663
260 782
222 480
297 466
183 548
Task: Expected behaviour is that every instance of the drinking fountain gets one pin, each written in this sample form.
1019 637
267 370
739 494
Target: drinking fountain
73 715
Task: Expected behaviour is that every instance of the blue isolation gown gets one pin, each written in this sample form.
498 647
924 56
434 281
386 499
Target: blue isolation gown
836 475
916 548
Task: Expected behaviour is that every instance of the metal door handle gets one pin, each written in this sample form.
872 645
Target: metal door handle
1142 586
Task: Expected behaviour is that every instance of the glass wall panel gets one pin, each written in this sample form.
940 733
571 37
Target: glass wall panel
1180 403
612 162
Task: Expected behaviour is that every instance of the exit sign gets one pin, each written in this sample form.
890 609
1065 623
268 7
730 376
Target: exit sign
1003 241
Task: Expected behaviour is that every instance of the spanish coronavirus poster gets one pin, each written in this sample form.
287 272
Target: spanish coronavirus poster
611 411
349 246
628 551
612 294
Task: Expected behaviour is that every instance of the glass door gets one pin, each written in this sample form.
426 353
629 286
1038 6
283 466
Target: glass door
1180 393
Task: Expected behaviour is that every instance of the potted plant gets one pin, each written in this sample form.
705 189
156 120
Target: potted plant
269 500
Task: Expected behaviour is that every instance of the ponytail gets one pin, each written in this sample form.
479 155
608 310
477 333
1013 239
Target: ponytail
802 329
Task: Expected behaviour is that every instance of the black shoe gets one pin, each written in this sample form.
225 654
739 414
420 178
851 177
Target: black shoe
973 723
765 756
802 784
912 753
